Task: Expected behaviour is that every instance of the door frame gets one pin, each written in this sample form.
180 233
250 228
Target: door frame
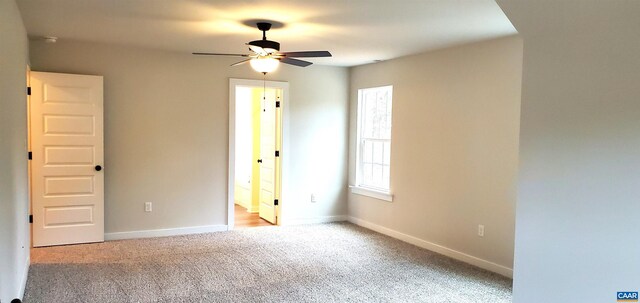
29 150
284 152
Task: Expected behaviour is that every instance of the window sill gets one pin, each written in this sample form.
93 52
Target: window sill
385 196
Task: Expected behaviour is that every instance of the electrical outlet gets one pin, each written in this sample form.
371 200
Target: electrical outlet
147 207
313 198
481 230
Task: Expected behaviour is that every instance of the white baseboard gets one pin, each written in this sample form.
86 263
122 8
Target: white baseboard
316 220
490 266
152 233
23 280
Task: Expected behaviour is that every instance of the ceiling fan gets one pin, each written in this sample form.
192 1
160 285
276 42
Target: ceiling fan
265 54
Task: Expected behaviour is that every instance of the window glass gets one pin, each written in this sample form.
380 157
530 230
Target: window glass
374 137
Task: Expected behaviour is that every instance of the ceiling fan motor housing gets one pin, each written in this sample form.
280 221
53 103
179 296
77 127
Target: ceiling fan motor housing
266 44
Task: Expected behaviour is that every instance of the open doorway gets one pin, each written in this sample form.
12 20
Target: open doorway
256 152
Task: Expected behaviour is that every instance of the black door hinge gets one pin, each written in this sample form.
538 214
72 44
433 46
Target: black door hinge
277 103
275 202
28 90
277 153
30 218
30 155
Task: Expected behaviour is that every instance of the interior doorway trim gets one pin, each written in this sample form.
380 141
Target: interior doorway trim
284 170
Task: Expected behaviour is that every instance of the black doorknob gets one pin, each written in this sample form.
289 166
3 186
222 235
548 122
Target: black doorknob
98 168
259 160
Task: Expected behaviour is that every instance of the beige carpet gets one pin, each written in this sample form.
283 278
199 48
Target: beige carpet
315 263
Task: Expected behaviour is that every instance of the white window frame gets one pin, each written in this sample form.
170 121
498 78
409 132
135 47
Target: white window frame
360 188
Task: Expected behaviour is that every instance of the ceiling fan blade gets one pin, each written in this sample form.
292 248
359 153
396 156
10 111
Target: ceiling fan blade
241 62
219 54
295 62
307 54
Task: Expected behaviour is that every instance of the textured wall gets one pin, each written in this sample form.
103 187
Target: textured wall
166 133
14 200
577 211
454 150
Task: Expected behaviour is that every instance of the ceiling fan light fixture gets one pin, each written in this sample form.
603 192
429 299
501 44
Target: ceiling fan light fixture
264 64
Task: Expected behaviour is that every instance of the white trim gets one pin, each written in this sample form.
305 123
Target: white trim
284 156
371 193
484 264
317 220
166 232
23 280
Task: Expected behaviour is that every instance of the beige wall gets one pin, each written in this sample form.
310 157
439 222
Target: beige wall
14 227
166 133
454 151
579 181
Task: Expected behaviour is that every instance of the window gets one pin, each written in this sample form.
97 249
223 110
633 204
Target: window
373 160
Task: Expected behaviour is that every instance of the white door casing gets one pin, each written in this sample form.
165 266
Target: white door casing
283 162
66 114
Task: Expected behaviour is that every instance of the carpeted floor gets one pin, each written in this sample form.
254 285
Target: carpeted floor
337 262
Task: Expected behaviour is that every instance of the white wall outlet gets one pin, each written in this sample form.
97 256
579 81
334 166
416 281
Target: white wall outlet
313 198
147 206
481 230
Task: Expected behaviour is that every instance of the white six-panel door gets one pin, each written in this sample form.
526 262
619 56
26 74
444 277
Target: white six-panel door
67 145
268 142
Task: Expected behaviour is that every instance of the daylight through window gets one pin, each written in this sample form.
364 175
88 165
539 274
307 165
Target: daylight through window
374 138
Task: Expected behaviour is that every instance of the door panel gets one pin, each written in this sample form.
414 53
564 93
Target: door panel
68 186
67 143
68 155
267 150
69 125
68 216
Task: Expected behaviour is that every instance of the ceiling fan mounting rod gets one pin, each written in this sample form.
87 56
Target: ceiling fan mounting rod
264 27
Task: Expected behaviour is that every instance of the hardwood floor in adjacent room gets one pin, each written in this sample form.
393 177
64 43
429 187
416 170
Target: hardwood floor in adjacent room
244 219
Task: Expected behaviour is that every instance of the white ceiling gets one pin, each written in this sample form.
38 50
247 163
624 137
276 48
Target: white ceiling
354 31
